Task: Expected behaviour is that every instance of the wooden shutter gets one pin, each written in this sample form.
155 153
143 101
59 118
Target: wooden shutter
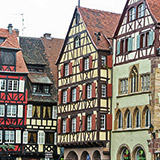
68 125
109 61
93 90
83 123
77 93
93 122
29 111
21 85
18 136
70 68
25 137
151 38
68 95
109 121
118 47
81 64
84 92
130 44
20 111
62 71
138 41
77 124
90 62
59 126
109 90
60 97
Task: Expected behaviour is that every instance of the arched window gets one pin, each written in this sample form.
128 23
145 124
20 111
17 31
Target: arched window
132 14
148 118
141 10
120 121
77 42
134 80
138 119
140 154
125 154
129 120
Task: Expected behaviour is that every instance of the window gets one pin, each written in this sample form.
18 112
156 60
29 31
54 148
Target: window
29 111
145 82
103 90
89 123
41 137
103 60
89 91
122 46
12 85
54 112
2 85
140 154
86 64
141 10
66 69
134 80
129 120
1 136
64 125
77 42
49 138
32 137
11 110
120 121
36 111
132 14
2 110
46 89
103 120
65 96
41 89
138 119
77 18
9 136
47 111
8 58
25 137
124 86
73 94
148 118
125 155
73 124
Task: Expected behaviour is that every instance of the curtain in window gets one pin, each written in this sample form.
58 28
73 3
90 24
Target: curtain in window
33 111
38 111
44 112
49 112
29 137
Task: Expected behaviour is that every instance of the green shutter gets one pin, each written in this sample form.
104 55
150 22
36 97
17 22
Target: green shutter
118 47
151 38
138 41
130 44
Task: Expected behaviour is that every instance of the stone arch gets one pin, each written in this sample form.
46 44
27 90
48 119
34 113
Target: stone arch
72 156
136 149
96 155
120 150
144 115
84 155
117 119
125 117
135 112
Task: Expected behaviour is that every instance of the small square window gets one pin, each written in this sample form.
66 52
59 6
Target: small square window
12 85
2 85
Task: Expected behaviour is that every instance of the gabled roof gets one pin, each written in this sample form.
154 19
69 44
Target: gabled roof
96 21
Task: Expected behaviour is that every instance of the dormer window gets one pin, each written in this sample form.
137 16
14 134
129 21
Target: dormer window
141 10
42 89
132 14
8 58
77 18
77 42
2 39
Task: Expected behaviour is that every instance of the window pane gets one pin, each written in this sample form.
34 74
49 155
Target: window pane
86 64
74 125
73 94
102 122
89 123
89 91
66 69
1 110
2 85
103 90
103 60
65 96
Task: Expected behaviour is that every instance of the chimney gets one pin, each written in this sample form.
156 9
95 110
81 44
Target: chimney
17 32
47 35
10 28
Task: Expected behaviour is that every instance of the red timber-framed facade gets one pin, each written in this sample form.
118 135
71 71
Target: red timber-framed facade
13 95
84 85
136 89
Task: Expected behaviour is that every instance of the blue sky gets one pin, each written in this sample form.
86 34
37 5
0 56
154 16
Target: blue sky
48 16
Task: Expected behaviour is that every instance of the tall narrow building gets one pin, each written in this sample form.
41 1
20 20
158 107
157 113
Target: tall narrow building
84 85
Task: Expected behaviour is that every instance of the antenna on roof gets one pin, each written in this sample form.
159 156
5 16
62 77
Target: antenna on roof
79 3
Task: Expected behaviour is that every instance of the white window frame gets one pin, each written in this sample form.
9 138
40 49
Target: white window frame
89 123
86 64
13 85
10 135
66 69
141 10
103 121
77 42
54 112
103 60
2 110
2 84
74 92
64 125
1 136
132 14
18 136
74 124
29 111
89 91
25 137
64 96
12 110
103 90
41 137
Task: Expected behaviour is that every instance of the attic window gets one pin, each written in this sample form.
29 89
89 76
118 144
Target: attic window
8 58
77 18
132 14
2 40
77 42
141 10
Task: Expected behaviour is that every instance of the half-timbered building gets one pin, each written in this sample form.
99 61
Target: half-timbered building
84 85
136 81
13 95
40 134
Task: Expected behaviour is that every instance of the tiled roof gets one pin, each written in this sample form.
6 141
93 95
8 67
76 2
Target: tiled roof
52 49
154 6
100 21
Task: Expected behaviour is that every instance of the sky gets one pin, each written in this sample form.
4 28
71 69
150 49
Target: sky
33 18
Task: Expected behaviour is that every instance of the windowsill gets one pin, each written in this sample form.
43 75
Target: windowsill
134 93
131 129
41 94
